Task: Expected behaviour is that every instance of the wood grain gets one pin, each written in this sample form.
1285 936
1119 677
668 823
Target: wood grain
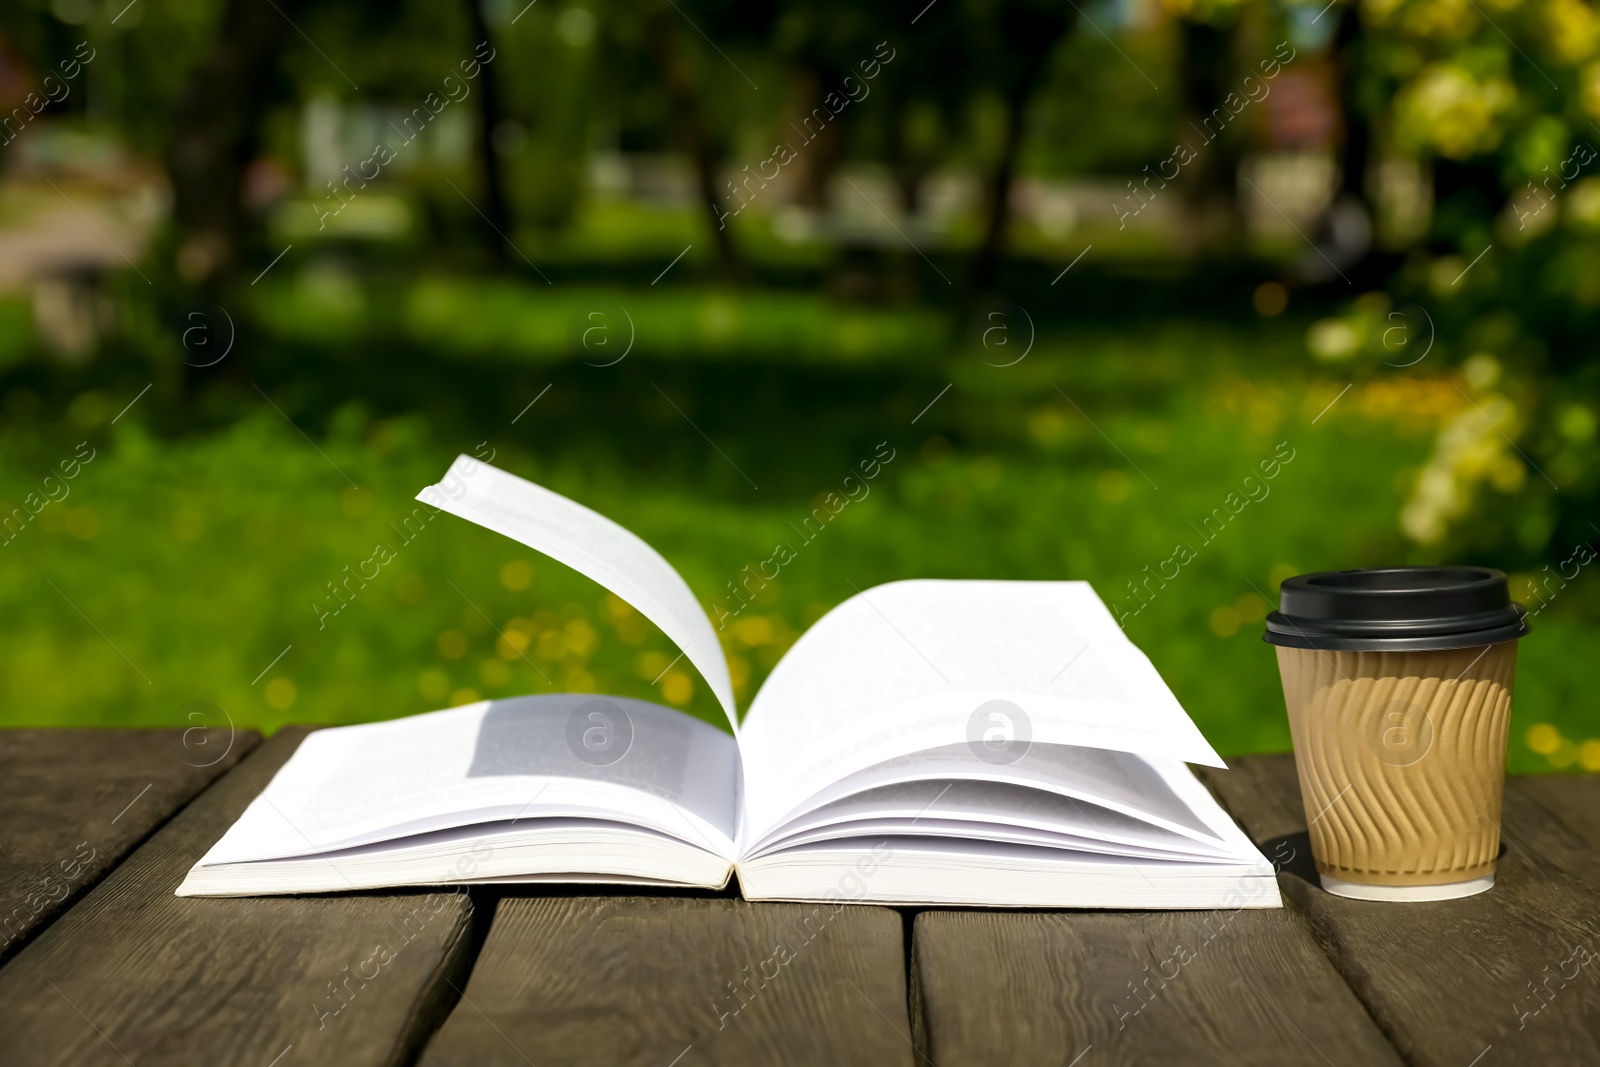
660 980
1572 798
75 802
134 974
1511 975
1204 987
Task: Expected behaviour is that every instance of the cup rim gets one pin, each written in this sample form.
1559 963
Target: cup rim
1401 609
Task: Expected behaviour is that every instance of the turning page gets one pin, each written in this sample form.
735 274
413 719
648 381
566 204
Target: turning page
918 665
594 546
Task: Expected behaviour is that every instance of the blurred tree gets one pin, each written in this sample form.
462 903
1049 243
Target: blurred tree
1500 105
697 83
693 136
555 66
1207 73
921 111
1020 36
823 42
216 128
922 105
1071 134
496 210
1357 109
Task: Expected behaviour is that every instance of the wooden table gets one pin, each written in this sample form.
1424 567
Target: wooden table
101 964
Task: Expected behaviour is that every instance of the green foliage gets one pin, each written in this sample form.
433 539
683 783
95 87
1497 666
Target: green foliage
201 541
1070 134
193 548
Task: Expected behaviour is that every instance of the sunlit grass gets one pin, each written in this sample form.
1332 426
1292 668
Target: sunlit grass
215 564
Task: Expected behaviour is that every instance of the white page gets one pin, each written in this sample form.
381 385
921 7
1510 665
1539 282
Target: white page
871 830
572 850
594 546
1148 790
1137 785
999 807
904 667
905 870
494 760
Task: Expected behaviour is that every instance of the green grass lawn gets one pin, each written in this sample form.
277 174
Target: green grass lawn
195 545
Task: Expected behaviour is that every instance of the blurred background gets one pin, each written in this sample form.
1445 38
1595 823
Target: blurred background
1179 297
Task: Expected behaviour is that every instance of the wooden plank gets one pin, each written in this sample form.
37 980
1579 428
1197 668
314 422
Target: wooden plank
1199 987
1572 798
136 974
659 980
1511 975
76 802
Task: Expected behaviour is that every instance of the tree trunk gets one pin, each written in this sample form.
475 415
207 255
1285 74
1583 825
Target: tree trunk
1211 190
496 209
1031 35
693 135
1355 154
907 165
1465 194
987 264
218 123
1351 210
821 155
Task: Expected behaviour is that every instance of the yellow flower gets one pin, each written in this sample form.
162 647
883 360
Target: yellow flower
739 671
1376 13
1572 28
1224 621
1200 10
580 637
1543 739
452 644
1589 89
649 665
510 645
1446 109
677 687
756 630
1332 340
1111 486
433 684
1251 608
1047 424
1439 19
1582 206
517 575
1472 448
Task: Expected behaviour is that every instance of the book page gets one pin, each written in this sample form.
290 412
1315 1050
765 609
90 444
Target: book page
594 546
998 811
918 665
570 755
1139 787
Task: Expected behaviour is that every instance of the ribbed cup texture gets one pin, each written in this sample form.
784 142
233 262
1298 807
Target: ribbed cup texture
1401 757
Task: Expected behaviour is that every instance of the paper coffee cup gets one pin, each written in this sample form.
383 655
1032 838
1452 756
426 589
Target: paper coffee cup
1398 686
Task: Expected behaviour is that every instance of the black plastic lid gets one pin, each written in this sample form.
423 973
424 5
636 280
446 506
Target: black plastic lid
1396 609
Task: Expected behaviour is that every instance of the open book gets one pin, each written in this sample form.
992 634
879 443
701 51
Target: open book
986 743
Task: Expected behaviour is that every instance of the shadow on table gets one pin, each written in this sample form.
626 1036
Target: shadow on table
1291 854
